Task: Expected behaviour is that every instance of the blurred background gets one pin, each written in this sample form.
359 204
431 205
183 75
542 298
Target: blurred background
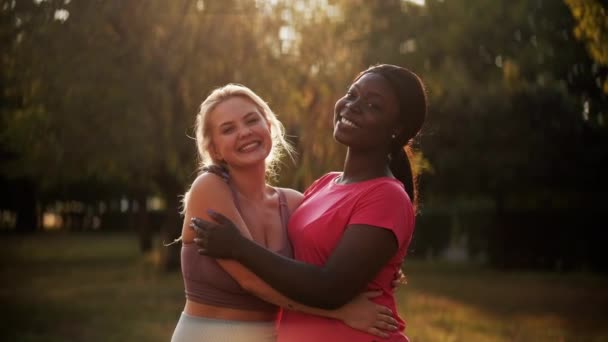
97 111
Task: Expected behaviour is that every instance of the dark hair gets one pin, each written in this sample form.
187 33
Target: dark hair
410 92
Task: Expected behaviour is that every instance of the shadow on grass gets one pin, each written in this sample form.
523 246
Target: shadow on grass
578 302
85 287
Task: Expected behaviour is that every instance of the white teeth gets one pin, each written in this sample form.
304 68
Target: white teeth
249 146
348 122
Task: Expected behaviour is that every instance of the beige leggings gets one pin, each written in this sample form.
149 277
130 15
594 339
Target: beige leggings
201 329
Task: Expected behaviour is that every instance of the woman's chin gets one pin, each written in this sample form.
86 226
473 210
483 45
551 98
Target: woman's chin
249 160
341 138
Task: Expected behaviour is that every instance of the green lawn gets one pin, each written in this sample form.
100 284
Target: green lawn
448 303
94 287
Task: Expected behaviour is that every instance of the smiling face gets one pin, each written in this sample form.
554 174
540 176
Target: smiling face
367 116
240 134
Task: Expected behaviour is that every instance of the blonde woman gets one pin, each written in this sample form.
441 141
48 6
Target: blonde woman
239 140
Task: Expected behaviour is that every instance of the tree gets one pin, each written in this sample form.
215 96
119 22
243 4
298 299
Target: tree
592 28
115 86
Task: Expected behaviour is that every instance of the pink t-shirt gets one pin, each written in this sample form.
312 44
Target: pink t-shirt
316 228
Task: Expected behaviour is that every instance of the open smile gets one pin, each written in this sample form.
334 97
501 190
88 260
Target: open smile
347 122
250 146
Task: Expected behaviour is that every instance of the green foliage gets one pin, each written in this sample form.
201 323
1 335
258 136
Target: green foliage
105 92
591 27
115 87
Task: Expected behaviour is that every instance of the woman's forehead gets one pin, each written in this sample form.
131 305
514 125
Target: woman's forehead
232 109
374 83
235 104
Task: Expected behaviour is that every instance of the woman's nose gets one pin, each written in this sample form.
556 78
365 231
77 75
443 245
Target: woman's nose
244 131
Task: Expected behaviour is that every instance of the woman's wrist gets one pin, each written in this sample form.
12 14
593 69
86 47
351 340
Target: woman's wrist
241 244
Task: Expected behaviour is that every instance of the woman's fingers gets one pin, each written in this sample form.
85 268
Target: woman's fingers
377 332
385 320
194 227
201 224
202 228
200 242
383 310
219 218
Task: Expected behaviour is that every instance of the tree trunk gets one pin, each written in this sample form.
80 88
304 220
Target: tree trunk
24 194
141 222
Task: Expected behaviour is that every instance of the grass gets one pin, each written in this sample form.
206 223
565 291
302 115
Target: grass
85 288
97 287
466 303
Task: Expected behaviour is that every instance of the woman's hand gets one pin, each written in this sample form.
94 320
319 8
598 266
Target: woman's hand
363 314
219 239
399 279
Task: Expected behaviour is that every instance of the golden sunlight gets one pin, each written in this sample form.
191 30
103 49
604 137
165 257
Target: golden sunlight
417 2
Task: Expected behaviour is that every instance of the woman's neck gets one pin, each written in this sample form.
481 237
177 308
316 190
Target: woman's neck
364 165
250 181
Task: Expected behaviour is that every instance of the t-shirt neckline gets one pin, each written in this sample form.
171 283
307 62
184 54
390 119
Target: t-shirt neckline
338 175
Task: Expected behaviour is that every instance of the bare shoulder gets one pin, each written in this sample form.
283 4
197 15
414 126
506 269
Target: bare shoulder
207 187
294 198
208 180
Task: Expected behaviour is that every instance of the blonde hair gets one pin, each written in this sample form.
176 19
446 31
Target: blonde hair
231 90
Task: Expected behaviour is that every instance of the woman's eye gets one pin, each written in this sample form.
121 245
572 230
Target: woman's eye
350 95
252 121
373 106
227 130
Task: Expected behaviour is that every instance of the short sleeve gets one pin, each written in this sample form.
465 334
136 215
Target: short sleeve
388 206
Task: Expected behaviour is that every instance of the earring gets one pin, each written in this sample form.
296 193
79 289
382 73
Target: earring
393 136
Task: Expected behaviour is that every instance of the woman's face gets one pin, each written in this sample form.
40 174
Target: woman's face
240 134
367 116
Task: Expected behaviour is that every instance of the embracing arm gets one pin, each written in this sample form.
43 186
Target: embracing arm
210 192
362 251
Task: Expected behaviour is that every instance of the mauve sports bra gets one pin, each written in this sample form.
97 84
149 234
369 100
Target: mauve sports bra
206 282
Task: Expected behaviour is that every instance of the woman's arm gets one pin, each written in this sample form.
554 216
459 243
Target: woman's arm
362 251
210 192
360 313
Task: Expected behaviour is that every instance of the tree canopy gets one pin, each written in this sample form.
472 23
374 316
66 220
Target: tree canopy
105 93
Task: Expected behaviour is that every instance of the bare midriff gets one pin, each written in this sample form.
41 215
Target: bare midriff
217 312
